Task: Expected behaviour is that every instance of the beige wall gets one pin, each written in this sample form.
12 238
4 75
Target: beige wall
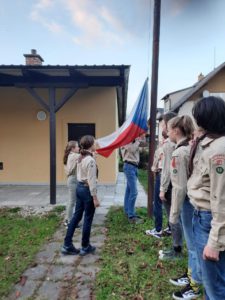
24 141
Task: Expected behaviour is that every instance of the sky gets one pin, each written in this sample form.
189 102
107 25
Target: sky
96 32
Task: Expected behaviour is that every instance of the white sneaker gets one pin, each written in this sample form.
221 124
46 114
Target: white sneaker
154 232
167 231
187 293
181 280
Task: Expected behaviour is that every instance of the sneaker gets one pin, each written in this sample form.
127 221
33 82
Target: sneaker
66 223
180 281
169 255
187 293
154 232
87 250
167 231
135 220
71 250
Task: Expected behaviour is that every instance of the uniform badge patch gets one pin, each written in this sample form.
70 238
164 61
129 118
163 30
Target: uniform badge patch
219 170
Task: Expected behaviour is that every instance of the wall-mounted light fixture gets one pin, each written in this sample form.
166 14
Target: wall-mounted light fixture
41 115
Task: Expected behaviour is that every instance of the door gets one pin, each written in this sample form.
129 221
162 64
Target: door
77 130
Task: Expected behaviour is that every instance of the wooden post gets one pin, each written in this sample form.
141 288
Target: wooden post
52 123
154 91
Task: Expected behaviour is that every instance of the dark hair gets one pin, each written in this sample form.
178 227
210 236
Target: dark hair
85 143
209 114
69 147
168 116
184 123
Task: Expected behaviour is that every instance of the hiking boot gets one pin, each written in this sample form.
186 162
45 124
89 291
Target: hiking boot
180 281
135 220
154 232
71 250
169 255
187 293
167 231
87 250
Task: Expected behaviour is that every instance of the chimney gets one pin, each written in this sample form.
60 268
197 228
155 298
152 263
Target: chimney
33 59
200 77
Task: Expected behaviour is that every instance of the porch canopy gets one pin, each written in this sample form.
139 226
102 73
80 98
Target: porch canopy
71 78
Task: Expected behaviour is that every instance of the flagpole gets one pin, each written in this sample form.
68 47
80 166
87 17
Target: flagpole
153 107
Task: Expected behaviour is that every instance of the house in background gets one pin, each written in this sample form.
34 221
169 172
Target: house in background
182 101
44 106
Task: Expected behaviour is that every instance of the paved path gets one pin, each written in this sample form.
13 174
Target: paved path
54 276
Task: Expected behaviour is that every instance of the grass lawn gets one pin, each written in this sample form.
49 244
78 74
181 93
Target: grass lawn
143 178
130 268
20 240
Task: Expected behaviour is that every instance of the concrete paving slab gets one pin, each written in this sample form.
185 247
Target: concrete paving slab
60 273
36 273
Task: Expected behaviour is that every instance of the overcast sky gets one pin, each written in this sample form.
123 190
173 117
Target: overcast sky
118 32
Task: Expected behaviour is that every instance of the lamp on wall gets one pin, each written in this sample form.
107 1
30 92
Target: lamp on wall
41 115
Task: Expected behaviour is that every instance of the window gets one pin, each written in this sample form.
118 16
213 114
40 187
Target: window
77 130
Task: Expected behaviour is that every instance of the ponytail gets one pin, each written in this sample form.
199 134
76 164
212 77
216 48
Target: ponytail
69 147
185 124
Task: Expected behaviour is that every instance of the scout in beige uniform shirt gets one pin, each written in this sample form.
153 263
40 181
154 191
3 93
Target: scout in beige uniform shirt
179 177
71 165
70 170
158 159
131 152
206 187
168 148
87 173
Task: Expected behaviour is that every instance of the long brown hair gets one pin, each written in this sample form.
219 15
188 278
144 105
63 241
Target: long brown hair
69 147
185 124
85 143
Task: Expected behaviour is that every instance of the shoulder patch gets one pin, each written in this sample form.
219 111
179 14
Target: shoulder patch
174 162
219 170
218 159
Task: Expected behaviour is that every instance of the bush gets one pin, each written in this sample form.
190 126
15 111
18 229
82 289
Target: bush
143 159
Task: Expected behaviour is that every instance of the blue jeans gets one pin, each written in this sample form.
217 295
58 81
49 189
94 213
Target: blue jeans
213 272
157 204
84 204
131 174
186 219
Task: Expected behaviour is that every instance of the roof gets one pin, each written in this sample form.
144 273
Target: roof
69 76
196 87
175 92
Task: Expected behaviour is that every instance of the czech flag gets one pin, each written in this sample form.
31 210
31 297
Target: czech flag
134 126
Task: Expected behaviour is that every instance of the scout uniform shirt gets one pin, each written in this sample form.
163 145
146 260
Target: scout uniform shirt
158 159
87 173
206 187
179 178
130 152
71 165
168 148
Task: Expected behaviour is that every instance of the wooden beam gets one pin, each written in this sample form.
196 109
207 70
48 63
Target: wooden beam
37 98
69 94
154 93
52 124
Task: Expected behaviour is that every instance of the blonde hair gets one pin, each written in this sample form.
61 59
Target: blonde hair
69 147
185 124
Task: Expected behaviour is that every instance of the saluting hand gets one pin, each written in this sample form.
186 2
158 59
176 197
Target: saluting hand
162 196
210 254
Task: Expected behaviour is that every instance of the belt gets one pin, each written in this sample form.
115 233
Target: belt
83 183
131 163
